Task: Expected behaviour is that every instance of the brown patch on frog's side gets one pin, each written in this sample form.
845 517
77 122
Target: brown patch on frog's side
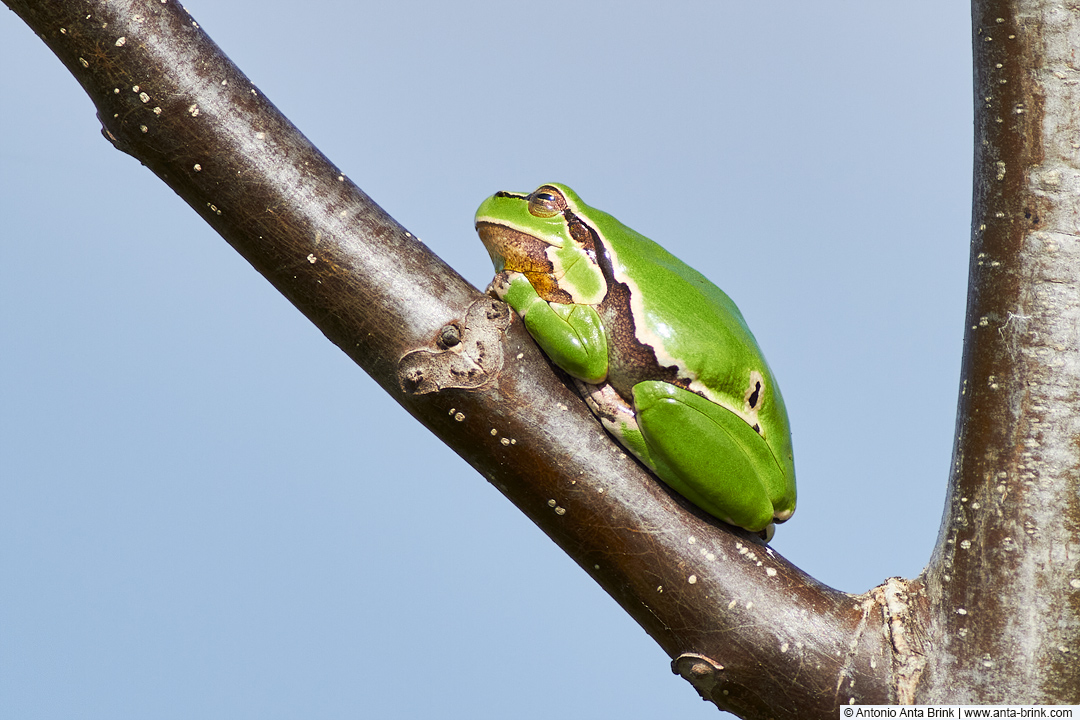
581 234
636 361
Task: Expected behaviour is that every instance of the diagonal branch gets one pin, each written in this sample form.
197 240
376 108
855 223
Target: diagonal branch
750 631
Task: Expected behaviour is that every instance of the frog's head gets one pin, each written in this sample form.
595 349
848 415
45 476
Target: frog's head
544 236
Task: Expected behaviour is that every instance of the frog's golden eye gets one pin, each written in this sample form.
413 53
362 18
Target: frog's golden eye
546 201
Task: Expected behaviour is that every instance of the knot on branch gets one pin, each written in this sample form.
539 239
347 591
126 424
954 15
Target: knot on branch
469 354
700 671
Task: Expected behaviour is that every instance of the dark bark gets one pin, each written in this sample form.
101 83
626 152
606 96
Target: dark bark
753 633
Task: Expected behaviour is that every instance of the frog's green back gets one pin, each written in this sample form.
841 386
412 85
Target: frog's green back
680 303
700 327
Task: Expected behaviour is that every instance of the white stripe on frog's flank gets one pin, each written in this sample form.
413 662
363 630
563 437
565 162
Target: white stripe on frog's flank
657 340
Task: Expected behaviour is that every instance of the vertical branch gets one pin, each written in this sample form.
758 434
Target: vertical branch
1004 582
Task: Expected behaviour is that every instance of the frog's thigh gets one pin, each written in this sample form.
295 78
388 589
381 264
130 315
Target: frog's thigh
707 453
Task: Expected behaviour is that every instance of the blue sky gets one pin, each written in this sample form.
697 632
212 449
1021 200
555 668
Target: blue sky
206 510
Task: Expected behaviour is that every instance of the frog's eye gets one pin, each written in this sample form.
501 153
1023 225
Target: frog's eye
546 202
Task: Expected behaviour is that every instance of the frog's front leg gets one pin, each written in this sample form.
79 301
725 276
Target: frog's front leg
572 335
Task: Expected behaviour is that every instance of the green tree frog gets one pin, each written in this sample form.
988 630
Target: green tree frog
661 355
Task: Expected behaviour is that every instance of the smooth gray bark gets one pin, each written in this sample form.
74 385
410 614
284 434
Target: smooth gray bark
1004 582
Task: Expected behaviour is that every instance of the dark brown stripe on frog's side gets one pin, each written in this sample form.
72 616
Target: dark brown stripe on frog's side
635 361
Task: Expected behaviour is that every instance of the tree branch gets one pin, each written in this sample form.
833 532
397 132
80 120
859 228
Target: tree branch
995 615
1003 582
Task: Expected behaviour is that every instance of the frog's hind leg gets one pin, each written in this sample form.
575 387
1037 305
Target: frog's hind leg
707 453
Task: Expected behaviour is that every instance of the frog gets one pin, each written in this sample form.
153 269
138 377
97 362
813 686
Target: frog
661 356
